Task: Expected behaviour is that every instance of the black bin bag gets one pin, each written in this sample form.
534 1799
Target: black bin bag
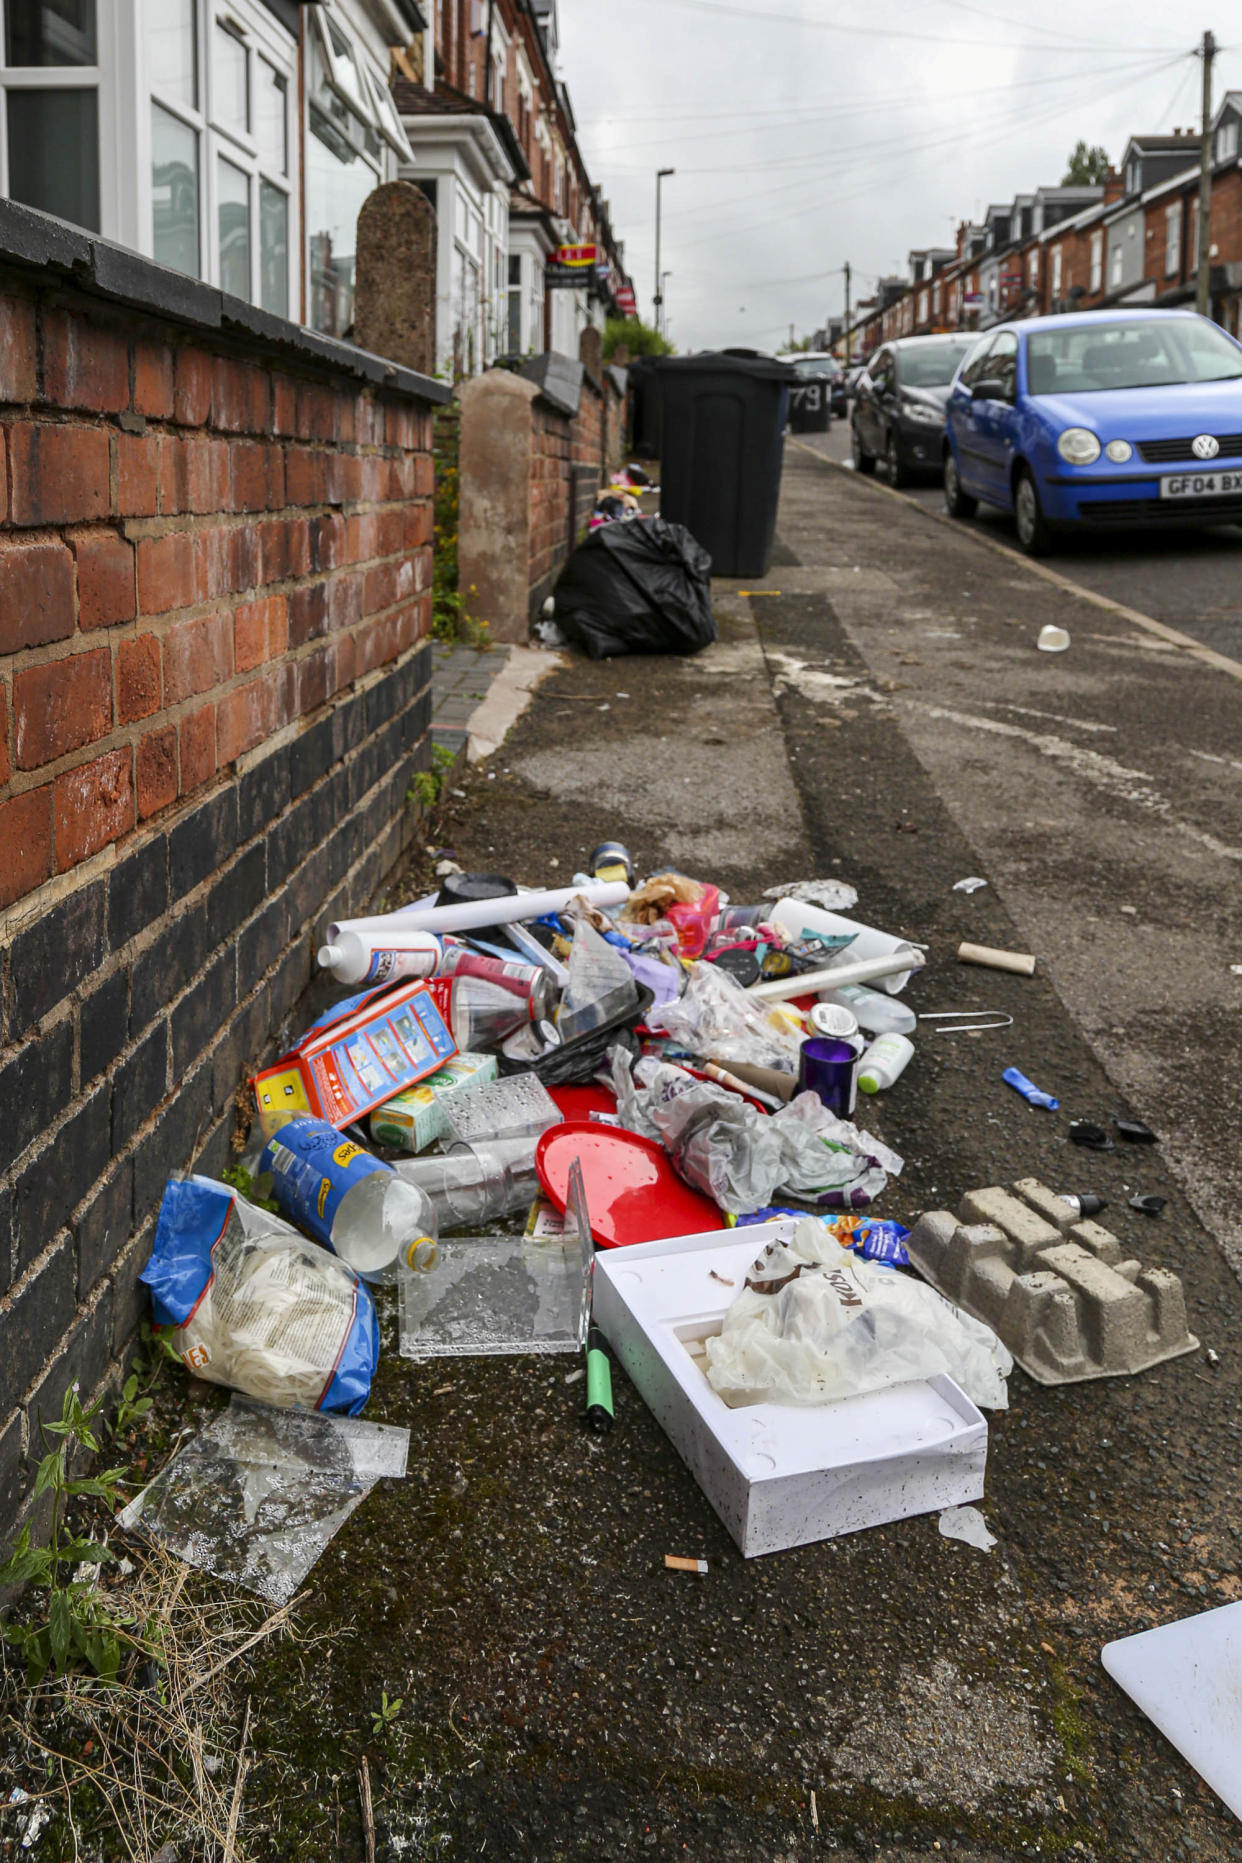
637 587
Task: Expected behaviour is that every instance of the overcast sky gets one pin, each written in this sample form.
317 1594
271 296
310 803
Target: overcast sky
808 132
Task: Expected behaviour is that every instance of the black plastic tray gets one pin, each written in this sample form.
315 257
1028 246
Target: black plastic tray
579 1060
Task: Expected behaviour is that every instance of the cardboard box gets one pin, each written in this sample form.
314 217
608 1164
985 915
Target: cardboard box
416 1118
777 1475
346 1063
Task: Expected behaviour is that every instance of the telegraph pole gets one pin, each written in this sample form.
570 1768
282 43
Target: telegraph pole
659 294
1203 295
847 313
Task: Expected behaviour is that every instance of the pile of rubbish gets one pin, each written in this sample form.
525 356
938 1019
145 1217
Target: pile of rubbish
518 1090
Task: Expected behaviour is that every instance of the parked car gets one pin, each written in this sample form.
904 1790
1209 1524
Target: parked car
824 376
899 404
1100 418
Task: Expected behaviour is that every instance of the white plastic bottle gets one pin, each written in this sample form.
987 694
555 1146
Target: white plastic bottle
883 1062
351 1202
883 1015
355 957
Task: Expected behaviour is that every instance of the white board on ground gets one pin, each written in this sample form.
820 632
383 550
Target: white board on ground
1185 1678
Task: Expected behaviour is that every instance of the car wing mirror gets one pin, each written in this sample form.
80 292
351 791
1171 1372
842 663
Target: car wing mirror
990 389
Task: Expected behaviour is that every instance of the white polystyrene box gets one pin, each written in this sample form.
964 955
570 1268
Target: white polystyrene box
777 1474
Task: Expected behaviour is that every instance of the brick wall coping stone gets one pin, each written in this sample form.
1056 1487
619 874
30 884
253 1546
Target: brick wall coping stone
37 240
559 380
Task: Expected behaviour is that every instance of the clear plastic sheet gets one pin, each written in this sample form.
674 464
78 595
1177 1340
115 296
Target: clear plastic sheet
496 1296
518 1106
257 1496
715 1017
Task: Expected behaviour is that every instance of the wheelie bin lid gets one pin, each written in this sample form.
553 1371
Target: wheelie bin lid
749 362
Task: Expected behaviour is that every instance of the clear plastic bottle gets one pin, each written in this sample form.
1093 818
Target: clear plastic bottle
882 1063
879 1013
470 1185
351 1202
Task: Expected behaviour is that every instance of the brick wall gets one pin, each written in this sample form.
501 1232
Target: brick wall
214 690
531 466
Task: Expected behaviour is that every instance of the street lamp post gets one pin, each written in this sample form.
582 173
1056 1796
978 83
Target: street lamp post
664 278
659 298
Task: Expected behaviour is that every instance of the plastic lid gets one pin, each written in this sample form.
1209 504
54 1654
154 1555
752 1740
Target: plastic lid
732 362
631 1188
459 889
868 1083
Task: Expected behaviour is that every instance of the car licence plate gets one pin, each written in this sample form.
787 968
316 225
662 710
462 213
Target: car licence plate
1201 485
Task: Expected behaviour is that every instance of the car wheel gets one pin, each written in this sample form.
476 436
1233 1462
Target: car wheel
864 461
957 503
898 475
1033 533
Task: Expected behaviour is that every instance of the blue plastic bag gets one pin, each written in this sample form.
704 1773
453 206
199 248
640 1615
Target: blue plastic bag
255 1306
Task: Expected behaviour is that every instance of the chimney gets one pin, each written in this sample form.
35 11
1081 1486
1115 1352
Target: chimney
1112 185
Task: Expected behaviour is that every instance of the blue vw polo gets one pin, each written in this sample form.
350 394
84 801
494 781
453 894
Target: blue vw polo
1103 418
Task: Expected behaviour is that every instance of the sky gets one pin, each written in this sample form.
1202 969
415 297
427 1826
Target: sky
805 133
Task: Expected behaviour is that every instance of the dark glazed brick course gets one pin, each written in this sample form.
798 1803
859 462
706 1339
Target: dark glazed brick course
171 1141
103 1025
86 1359
34 1085
312 755
203 1010
236 894
38 1315
59 1176
53 956
261 942
139 1084
261 794
104 1226
166 966
202 842
137 892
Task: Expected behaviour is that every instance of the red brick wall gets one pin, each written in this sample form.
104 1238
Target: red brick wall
195 552
215 566
564 454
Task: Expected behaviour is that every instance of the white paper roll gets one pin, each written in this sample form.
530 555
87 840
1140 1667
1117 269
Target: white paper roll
474 914
795 918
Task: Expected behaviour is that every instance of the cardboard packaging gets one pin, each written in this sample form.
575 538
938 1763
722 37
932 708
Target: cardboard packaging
415 1119
359 1055
778 1475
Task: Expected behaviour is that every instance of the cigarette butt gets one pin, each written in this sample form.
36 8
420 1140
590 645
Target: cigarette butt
814 1812
1020 962
676 1563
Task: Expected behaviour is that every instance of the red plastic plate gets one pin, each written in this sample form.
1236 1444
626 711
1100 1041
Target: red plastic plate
579 1103
633 1194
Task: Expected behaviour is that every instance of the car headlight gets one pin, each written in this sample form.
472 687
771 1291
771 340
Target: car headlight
1078 446
1119 451
919 410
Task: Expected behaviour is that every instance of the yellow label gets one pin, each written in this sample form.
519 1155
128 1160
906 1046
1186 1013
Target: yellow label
281 1091
325 1187
196 1356
344 1153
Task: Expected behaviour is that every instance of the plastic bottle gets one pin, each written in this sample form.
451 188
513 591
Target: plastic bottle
883 1062
875 1011
389 957
351 1202
475 1184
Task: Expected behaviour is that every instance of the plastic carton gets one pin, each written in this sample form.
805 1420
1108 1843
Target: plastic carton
777 1475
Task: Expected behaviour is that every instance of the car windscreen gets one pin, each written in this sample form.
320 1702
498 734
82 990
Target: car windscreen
933 367
817 365
1139 353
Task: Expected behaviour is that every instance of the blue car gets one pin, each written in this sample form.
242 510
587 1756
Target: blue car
1103 418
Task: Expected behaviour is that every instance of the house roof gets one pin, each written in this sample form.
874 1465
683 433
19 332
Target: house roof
415 100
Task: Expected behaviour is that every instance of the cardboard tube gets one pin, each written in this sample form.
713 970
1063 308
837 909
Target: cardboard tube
796 919
1019 962
767 1079
474 914
866 970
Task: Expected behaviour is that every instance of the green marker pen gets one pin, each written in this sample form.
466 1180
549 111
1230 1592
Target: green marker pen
598 1415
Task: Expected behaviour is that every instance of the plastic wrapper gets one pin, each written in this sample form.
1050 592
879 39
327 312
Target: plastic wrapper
744 1158
259 1494
601 985
717 1018
254 1305
816 1322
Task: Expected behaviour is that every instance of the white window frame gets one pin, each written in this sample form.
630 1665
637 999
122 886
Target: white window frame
101 78
1116 263
1097 260
1056 271
1173 238
259 35
1227 140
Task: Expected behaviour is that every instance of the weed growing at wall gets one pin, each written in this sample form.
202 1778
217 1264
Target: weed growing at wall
450 617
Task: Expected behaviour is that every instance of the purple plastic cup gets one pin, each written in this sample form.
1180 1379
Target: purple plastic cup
827 1069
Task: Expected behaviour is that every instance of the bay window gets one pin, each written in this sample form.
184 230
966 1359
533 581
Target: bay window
221 81
353 133
49 107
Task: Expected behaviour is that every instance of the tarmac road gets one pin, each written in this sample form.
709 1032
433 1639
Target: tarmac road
1188 578
875 709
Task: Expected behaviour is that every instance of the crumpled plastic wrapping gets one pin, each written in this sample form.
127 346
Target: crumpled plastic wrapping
744 1158
715 1017
815 1323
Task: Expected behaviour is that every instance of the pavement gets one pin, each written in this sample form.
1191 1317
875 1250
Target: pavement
460 680
874 710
